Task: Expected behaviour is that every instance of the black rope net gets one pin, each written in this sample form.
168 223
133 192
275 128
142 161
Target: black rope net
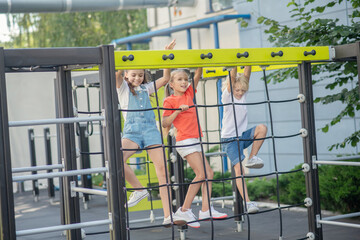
180 183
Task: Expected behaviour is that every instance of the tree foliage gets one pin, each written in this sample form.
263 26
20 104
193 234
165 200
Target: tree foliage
311 30
79 29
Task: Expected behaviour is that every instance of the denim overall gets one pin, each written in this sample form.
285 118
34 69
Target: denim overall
140 127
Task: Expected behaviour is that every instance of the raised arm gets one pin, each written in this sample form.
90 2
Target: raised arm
197 76
247 72
119 78
233 74
166 74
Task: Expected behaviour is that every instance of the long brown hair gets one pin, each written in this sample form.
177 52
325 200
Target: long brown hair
147 78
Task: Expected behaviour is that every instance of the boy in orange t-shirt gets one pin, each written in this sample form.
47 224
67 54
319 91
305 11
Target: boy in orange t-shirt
185 121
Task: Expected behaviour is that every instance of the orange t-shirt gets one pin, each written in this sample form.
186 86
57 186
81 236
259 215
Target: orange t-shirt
186 122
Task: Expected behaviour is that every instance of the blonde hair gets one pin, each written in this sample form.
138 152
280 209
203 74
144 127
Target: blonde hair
173 73
240 78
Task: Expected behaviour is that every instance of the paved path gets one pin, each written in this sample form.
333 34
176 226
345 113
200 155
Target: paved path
30 214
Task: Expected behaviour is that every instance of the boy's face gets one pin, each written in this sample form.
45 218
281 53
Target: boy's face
180 82
135 77
238 91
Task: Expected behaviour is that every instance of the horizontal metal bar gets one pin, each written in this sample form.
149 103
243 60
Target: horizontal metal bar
216 199
63 227
215 154
48 57
145 220
37 168
201 23
338 163
342 158
89 191
55 121
60 174
349 215
339 224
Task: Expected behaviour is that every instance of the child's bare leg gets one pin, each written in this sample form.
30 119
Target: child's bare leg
239 182
210 176
260 132
157 157
130 176
194 159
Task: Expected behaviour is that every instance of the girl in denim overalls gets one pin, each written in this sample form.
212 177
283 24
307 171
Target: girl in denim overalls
140 131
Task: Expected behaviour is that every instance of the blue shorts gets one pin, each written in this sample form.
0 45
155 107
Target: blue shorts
142 131
231 148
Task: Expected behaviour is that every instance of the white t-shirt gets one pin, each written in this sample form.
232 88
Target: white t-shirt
124 91
228 123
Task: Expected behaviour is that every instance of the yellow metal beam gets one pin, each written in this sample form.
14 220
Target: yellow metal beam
218 57
212 58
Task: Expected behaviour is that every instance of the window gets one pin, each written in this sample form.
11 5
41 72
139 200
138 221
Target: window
218 5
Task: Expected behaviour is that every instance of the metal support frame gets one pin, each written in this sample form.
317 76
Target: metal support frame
54 121
7 215
63 227
37 168
84 159
112 144
238 200
177 170
69 173
35 183
51 187
87 191
309 147
68 152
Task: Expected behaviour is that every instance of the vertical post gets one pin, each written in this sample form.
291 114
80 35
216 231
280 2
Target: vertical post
35 183
51 190
58 140
309 147
7 215
112 145
177 170
102 144
84 159
68 152
188 37
216 35
221 113
238 200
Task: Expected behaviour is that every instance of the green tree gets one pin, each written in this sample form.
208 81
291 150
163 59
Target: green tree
79 29
316 31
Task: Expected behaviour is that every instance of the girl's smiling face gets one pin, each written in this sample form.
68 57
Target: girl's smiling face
179 83
135 77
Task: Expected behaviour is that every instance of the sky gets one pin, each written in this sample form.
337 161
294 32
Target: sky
4 33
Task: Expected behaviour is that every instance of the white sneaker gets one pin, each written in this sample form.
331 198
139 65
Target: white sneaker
254 162
252 207
188 216
136 197
215 214
176 219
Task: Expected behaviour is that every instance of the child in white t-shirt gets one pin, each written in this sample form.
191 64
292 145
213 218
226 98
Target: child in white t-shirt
234 148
